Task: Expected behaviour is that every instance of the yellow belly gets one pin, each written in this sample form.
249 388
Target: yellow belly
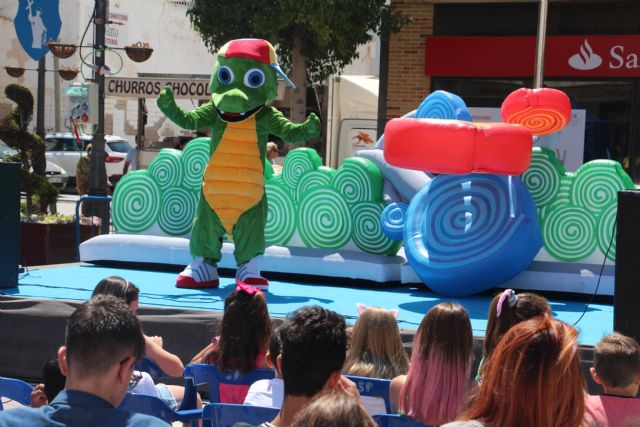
234 178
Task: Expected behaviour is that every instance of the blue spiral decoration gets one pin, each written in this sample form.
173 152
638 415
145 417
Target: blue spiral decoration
469 233
393 220
443 105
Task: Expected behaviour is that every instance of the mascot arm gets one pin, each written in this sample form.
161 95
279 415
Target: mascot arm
201 117
291 132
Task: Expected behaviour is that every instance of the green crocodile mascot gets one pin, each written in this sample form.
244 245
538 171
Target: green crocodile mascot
233 199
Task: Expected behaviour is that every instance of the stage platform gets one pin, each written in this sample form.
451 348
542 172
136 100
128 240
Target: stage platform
34 312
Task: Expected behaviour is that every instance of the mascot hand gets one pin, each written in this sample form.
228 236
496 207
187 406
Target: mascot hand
165 98
313 125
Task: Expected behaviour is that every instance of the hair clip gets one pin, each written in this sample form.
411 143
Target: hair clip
361 308
247 289
510 296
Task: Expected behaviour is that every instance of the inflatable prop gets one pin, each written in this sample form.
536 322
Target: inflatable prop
457 147
543 111
232 196
577 211
443 105
463 234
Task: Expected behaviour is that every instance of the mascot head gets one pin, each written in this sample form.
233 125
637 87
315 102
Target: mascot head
245 78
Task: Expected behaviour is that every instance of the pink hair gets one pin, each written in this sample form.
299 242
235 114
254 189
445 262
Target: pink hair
435 389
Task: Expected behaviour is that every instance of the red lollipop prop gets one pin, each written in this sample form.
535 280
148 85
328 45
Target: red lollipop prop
457 147
542 111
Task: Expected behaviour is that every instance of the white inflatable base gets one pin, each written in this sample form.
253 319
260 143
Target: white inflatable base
314 262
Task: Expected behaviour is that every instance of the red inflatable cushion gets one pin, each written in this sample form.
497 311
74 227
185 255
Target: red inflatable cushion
543 111
457 147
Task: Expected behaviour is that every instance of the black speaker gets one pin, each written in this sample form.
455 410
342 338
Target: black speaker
9 223
626 311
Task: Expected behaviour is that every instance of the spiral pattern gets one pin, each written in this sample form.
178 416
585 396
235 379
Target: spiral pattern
443 105
539 120
298 163
324 220
606 231
317 178
281 214
193 161
367 230
136 202
543 176
178 210
165 168
393 220
568 232
464 220
358 180
597 184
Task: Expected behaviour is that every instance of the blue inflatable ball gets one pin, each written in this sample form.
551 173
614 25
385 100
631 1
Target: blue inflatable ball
443 105
466 234
393 219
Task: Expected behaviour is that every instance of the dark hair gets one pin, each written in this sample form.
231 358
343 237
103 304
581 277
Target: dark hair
314 345
333 410
100 333
52 377
245 331
275 345
617 360
117 287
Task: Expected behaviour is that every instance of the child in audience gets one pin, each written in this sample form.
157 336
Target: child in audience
616 367
53 383
533 379
506 310
141 382
244 335
435 390
269 393
333 410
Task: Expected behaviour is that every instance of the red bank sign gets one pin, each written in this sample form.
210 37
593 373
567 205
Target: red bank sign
565 56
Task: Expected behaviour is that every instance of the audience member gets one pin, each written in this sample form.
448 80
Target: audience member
616 367
142 383
244 335
506 310
334 410
436 388
314 345
269 393
532 379
103 342
53 383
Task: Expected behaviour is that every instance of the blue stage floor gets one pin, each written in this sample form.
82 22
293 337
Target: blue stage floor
157 289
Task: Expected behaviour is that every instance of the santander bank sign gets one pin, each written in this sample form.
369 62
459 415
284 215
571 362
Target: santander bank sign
565 56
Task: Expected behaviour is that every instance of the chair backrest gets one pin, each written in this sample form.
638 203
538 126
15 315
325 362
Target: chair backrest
151 405
374 387
227 414
16 390
394 420
196 374
149 366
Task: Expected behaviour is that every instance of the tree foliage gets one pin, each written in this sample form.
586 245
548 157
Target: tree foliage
330 30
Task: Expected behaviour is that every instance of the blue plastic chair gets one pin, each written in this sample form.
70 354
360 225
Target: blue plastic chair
394 420
196 374
16 390
151 405
227 414
374 387
149 366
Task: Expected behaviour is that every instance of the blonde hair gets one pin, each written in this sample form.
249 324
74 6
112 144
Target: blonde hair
272 146
335 409
376 349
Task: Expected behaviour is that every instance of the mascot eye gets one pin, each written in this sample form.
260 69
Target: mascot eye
254 78
225 75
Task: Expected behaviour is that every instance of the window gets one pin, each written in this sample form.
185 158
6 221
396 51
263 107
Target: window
119 146
62 144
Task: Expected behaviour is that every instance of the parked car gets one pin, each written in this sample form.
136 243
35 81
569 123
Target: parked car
64 150
54 173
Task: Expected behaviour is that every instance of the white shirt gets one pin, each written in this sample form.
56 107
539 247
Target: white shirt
132 158
266 393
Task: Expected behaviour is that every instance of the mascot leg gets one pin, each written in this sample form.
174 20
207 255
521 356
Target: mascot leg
248 238
205 246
